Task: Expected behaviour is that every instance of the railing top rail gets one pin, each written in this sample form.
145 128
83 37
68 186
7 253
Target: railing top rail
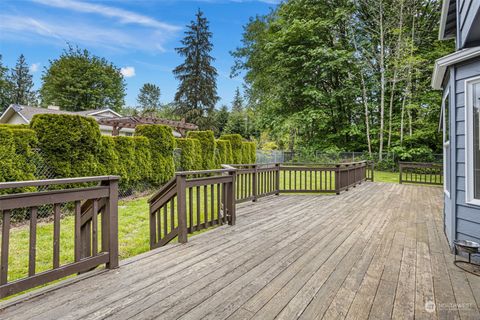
420 164
197 172
37 183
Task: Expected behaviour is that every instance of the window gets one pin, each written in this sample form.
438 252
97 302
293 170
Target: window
446 141
472 139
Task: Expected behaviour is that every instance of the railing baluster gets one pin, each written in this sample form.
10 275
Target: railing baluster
190 209
219 203
5 247
78 222
212 204
95 228
205 207
198 207
165 220
56 235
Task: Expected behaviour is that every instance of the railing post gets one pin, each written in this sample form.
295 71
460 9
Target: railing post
277 179
112 225
348 177
254 182
400 169
337 179
182 208
231 203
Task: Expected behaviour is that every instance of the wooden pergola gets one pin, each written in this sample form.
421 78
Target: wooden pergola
131 122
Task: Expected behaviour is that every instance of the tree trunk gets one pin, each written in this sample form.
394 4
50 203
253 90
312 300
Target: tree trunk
382 81
395 74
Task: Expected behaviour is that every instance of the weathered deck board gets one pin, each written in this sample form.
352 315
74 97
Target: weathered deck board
377 251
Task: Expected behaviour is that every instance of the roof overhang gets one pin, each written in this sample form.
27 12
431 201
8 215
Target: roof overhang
442 64
7 114
448 20
96 113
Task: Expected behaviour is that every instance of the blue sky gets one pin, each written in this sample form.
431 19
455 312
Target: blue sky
137 35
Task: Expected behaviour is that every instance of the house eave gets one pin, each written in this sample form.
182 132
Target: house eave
445 32
442 64
9 110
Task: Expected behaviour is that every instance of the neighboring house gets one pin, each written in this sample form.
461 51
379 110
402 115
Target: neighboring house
458 75
17 114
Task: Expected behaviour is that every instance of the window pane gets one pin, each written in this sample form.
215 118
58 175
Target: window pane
476 140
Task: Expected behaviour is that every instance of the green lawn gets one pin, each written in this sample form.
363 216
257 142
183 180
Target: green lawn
133 234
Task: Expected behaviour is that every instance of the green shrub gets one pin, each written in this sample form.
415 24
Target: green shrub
127 167
7 155
190 158
143 158
162 144
108 157
15 126
207 144
25 141
223 153
249 152
236 142
70 144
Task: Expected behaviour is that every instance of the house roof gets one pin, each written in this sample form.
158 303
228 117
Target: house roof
448 20
442 64
27 112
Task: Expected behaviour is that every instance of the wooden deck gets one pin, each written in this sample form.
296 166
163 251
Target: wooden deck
377 251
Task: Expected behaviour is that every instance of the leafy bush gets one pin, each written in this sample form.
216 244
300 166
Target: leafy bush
207 144
25 140
162 144
108 157
70 144
14 126
7 155
223 152
249 152
237 146
190 158
143 158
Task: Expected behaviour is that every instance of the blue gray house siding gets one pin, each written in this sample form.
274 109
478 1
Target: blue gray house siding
469 16
467 217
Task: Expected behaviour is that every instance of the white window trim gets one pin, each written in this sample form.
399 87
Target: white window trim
446 143
469 142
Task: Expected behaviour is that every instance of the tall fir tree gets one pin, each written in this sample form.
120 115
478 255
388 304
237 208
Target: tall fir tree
5 87
197 92
237 104
21 80
149 99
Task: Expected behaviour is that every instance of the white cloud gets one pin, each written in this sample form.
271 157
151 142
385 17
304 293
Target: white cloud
127 72
63 31
124 16
34 67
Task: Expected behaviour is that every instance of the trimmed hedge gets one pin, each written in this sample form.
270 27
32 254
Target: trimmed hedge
190 156
162 144
70 144
108 157
237 146
249 151
223 153
207 145
25 140
134 160
7 155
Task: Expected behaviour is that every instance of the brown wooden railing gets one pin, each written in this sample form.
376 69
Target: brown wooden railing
196 200
190 202
421 173
86 203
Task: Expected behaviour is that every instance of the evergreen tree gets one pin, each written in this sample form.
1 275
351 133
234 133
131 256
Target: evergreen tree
221 119
237 104
78 81
5 87
197 92
22 84
149 99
